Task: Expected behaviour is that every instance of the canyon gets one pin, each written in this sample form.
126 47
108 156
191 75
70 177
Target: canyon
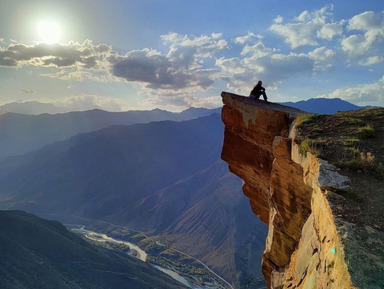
311 242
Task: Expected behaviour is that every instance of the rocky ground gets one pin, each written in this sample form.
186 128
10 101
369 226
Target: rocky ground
354 142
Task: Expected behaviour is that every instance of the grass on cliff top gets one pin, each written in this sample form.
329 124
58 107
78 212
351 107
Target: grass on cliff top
354 142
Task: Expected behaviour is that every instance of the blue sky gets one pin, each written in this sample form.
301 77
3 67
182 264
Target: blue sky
173 54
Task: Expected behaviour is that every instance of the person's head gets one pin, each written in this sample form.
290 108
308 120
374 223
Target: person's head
260 82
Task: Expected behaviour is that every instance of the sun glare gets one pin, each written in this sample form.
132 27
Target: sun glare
49 31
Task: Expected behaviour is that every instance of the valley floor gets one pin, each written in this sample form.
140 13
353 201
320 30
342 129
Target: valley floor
180 266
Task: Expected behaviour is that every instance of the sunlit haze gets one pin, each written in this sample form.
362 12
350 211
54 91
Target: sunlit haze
49 31
124 55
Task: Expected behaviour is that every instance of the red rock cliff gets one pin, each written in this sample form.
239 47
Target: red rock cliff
288 192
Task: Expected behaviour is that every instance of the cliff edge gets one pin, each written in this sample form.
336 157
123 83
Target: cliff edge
310 242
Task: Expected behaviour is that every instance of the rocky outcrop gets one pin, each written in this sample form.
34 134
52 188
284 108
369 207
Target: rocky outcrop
289 192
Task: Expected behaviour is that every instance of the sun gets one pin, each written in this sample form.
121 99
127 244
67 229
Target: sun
49 31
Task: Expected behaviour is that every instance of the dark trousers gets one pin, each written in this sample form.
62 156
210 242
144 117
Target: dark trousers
258 96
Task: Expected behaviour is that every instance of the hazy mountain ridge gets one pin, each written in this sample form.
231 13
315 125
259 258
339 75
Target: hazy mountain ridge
161 178
121 152
37 253
314 105
31 107
323 105
21 133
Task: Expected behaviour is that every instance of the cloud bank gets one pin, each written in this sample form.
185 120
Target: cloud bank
192 65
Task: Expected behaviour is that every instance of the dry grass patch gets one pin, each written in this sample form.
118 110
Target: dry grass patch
353 141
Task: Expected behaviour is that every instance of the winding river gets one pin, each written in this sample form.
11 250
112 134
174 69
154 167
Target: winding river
134 251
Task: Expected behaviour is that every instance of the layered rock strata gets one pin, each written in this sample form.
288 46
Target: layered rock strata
289 192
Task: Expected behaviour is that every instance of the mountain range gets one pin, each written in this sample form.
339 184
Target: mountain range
323 105
313 105
20 133
153 171
162 178
31 107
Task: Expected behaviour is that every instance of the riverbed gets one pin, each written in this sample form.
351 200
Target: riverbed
134 251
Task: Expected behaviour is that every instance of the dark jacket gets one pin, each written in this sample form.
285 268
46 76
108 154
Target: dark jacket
257 90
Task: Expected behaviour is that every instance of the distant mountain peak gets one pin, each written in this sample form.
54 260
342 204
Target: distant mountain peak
30 107
323 105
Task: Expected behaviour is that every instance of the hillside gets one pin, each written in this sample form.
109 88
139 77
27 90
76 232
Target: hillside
37 253
162 178
22 133
354 142
317 181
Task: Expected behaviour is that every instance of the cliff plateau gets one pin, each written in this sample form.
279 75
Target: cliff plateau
311 243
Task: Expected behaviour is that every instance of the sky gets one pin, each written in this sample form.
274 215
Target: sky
121 55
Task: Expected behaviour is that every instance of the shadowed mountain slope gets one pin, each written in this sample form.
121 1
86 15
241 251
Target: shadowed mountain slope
37 253
21 133
162 178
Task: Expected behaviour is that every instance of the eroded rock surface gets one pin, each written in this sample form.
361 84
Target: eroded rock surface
306 244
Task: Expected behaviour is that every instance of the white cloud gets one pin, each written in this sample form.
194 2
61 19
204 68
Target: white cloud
202 46
371 93
231 65
303 17
308 28
295 34
249 38
278 66
187 67
185 97
353 45
330 30
323 58
79 75
366 42
84 55
369 22
240 73
87 102
279 19
26 91
258 50
181 67
372 60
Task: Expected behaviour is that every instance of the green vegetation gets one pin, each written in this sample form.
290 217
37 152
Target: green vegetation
366 132
138 237
310 146
353 141
160 254
163 256
308 118
352 195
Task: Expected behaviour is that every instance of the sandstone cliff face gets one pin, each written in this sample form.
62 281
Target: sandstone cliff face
289 192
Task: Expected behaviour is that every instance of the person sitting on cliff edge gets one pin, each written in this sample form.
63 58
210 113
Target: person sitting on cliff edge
257 91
